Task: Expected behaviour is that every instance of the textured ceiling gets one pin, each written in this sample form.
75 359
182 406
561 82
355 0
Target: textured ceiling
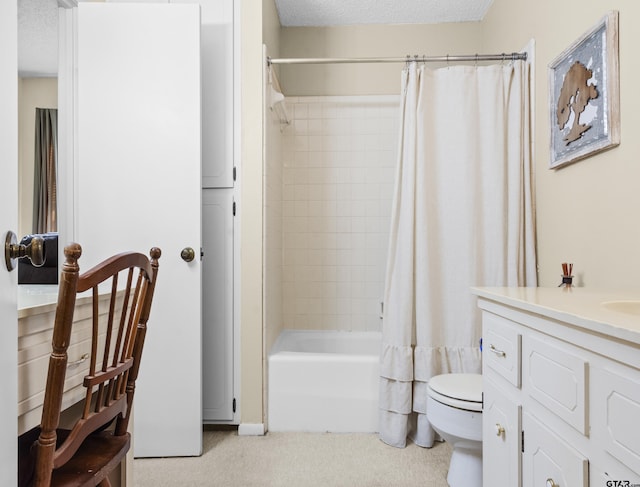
38 21
37 37
349 12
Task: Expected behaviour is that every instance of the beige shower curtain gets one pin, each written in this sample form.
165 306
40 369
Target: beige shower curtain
462 216
44 171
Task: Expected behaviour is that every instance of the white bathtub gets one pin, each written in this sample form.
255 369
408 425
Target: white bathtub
324 381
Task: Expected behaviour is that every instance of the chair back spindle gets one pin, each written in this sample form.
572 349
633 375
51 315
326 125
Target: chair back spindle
120 291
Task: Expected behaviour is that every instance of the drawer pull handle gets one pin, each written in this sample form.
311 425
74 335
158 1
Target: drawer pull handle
499 353
81 360
551 483
499 429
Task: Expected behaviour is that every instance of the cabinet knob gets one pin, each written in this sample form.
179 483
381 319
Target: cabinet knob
499 429
551 483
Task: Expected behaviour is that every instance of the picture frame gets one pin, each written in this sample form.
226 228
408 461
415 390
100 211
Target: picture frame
584 95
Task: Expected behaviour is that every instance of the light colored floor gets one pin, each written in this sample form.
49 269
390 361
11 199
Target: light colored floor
298 460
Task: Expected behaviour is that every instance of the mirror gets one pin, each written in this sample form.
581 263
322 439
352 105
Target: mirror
37 96
37 88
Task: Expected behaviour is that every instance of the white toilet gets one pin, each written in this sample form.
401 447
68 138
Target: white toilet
454 409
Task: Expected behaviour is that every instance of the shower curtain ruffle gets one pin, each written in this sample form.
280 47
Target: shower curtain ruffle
404 374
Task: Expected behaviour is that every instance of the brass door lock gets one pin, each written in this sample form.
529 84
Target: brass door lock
188 254
13 250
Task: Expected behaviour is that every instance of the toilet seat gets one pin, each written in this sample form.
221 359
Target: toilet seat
461 391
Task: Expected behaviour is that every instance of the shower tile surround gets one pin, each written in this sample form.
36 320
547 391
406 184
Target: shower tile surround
338 167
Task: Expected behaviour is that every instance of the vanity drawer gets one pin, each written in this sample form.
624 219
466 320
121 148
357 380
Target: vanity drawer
556 378
501 345
549 460
615 407
34 350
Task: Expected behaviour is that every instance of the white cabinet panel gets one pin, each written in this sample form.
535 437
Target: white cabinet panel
556 378
217 292
611 473
217 105
616 409
500 438
217 91
548 460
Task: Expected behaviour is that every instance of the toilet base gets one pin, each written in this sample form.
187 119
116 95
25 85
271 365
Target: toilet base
465 468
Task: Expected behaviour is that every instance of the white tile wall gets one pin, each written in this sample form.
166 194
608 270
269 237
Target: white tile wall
339 158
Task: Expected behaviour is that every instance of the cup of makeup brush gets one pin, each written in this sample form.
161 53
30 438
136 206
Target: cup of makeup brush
567 277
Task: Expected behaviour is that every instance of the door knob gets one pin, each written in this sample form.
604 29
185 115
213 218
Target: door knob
188 254
13 250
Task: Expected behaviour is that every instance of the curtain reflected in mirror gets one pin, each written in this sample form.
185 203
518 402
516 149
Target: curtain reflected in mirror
45 169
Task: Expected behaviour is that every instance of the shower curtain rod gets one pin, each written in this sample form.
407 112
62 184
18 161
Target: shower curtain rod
424 59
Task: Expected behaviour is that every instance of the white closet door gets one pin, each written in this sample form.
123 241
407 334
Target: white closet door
138 185
217 92
217 328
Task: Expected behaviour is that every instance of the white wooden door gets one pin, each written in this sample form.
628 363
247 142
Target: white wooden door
8 221
138 185
217 330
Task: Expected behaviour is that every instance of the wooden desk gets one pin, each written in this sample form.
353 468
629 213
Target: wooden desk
36 313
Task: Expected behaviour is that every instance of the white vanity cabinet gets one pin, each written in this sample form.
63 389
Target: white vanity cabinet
36 315
561 385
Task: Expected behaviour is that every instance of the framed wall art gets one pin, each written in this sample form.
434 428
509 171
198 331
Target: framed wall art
584 95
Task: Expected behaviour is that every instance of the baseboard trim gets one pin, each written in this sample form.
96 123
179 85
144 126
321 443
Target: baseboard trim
251 429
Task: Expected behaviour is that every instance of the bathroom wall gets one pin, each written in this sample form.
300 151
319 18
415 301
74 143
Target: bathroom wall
339 158
249 214
272 187
367 41
587 212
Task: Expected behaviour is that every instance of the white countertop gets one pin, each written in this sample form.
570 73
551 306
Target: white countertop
581 307
36 298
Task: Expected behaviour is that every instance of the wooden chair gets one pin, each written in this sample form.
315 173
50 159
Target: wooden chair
85 454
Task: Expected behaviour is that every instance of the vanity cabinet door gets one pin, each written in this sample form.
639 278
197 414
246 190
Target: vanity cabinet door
500 438
611 473
615 406
549 461
35 332
556 378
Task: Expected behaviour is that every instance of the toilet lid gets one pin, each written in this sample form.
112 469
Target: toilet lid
457 390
